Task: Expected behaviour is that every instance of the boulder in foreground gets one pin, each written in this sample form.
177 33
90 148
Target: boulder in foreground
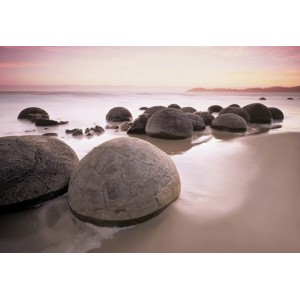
122 182
33 169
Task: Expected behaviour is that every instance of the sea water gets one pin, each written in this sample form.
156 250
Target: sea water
52 228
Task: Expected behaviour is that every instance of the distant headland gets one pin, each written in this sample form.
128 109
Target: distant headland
273 89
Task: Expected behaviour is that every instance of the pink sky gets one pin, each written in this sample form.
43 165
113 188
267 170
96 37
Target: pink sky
187 67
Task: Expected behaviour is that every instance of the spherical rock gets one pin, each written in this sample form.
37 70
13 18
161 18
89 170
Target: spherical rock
214 108
122 182
262 98
206 116
197 121
238 111
151 110
229 122
258 113
277 114
139 125
118 114
188 109
30 112
234 105
33 169
174 106
169 123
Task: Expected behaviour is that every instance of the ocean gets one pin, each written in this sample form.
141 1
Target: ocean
216 169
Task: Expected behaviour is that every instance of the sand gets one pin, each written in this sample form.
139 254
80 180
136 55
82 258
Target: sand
252 202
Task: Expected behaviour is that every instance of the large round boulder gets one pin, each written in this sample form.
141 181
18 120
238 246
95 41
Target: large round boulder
122 182
30 113
119 114
258 113
277 114
197 121
229 122
214 108
169 123
206 116
236 110
33 169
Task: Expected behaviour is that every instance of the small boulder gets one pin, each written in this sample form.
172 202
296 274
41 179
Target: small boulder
45 122
77 132
277 114
50 134
206 116
30 112
197 121
139 125
262 98
214 108
169 123
174 106
118 114
151 110
143 108
234 105
290 98
238 111
112 126
125 126
33 169
258 113
188 109
229 122
98 129
123 182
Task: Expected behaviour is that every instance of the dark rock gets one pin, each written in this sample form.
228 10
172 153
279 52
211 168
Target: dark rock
77 132
214 108
112 127
206 116
118 114
87 130
169 123
124 181
262 98
139 125
258 113
33 169
197 121
34 117
174 106
50 134
68 131
45 122
277 114
143 108
151 110
98 129
238 111
229 122
234 105
30 112
188 109
290 98
125 126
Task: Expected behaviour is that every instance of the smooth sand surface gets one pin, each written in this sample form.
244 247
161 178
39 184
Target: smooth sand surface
252 202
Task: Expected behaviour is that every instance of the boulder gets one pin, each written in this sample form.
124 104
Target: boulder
276 113
33 169
50 134
188 109
234 105
30 112
290 98
98 129
123 182
143 108
214 108
258 113
77 132
47 122
206 116
229 122
238 111
139 125
125 126
262 98
151 110
118 114
169 123
174 106
197 121
112 126
69 131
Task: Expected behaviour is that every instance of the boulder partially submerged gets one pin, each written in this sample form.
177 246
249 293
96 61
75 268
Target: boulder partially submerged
238 111
33 169
258 113
122 182
277 114
229 122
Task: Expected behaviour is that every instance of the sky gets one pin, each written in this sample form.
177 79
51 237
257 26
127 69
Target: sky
186 67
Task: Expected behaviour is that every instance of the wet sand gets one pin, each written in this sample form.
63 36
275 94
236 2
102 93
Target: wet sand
235 199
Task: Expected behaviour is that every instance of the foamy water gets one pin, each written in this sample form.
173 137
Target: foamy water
200 161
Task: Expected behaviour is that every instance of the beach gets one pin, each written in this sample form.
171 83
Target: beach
239 192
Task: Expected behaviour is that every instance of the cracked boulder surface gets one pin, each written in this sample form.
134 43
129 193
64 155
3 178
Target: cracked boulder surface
119 114
123 182
229 122
170 124
29 113
33 169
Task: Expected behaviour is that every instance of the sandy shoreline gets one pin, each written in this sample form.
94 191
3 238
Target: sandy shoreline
254 208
